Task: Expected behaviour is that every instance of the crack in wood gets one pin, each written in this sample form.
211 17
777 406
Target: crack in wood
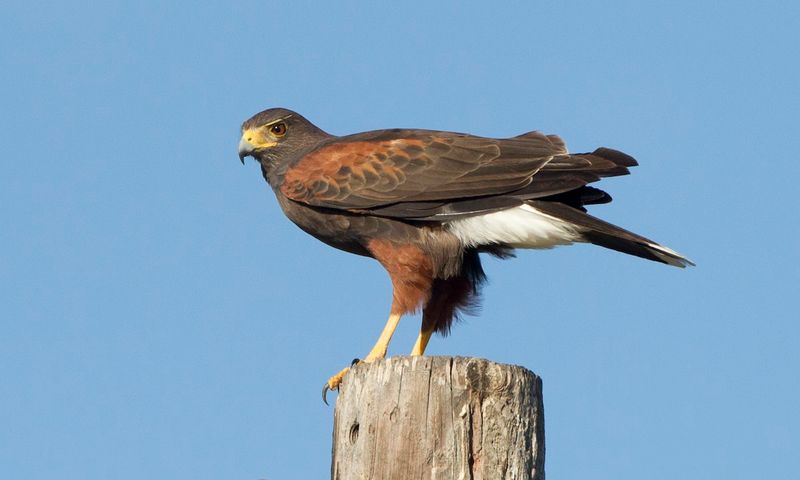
438 418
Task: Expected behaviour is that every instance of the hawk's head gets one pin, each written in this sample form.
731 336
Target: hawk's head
277 135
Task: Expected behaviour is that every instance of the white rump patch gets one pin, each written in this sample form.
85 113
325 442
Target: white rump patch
518 227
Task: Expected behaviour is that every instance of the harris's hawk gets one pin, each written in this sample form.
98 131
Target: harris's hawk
426 203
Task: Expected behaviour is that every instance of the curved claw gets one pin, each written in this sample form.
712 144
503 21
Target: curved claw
333 384
325 393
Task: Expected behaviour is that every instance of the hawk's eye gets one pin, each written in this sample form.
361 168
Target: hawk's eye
279 129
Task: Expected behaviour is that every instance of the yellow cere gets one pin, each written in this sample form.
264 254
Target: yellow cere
258 137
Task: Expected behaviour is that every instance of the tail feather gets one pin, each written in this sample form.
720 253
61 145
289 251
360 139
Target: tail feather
649 250
604 234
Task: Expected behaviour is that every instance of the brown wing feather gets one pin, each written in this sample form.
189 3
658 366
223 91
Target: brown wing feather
563 179
568 172
377 169
438 176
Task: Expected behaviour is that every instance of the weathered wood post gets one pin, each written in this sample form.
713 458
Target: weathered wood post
438 418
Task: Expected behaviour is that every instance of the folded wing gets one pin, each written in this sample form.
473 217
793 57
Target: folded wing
438 176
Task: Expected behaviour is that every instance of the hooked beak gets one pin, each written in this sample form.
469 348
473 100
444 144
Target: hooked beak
245 149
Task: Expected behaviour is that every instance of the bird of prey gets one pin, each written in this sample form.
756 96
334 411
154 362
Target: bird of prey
426 203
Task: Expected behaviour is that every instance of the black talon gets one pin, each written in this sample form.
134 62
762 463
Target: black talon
325 393
326 388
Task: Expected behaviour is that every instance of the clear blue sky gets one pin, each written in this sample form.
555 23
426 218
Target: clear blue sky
160 318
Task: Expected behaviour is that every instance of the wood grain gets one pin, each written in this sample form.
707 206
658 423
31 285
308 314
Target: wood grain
438 418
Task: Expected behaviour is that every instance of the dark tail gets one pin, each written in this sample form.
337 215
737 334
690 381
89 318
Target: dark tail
602 233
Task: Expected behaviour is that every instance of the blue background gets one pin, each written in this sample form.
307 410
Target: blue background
160 318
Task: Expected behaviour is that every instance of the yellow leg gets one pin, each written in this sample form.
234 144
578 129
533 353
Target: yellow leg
422 342
378 352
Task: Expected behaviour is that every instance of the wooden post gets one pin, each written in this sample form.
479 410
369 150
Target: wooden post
443 418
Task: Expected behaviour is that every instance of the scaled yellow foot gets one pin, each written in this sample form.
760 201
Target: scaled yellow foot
378 352
334 381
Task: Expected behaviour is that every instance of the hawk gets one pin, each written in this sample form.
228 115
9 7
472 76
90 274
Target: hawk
425 204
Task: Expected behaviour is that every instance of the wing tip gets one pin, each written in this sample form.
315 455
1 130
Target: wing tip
619 158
